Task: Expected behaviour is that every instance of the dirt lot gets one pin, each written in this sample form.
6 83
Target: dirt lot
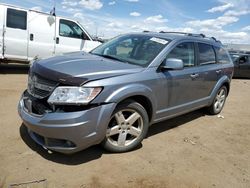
194 150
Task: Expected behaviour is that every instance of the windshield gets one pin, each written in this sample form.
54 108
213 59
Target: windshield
133 49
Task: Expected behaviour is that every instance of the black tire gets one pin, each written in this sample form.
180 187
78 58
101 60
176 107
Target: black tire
120 121
213 110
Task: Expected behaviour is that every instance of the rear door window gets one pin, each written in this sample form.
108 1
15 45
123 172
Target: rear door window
206 54
16 19
185 52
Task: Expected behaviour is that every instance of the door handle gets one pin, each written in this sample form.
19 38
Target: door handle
57 40
218 71
194 76
31 37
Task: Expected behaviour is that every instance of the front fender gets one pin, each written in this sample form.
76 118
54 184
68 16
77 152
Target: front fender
132 90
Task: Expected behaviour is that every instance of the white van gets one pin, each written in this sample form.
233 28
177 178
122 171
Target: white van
28 34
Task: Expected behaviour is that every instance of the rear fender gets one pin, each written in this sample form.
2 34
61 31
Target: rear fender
223 80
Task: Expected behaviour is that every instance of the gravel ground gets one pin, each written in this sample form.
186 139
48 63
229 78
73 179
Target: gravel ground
193 150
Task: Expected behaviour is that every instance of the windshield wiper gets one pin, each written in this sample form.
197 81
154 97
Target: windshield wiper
111 57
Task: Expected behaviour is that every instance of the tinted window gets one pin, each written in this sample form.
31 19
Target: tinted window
16 19
72 30
222 55
184 51
207 55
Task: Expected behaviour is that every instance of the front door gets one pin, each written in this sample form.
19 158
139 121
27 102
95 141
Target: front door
70 37
183 85
244 66
16 34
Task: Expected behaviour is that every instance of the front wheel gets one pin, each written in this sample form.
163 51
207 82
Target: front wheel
127 127
219 101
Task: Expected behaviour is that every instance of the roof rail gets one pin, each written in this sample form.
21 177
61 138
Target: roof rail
192 35
183 33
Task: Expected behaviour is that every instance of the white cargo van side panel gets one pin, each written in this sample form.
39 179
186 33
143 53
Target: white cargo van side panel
41 35
16 34
2 12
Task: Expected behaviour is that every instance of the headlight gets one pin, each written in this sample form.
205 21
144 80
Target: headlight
73 95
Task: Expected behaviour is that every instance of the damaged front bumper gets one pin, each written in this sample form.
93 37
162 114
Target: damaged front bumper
66 132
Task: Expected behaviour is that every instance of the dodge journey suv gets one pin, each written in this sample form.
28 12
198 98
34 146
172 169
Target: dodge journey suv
114 93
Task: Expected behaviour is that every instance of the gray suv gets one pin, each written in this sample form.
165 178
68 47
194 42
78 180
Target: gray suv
114 93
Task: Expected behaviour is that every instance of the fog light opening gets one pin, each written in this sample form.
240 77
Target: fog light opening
70 144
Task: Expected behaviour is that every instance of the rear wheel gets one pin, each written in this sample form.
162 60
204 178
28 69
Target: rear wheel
219 101
127 127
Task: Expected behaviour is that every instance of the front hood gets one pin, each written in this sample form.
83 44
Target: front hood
78 68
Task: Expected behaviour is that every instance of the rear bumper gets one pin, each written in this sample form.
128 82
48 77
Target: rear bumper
67 132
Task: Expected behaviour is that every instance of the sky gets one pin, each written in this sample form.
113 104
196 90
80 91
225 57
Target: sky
227 20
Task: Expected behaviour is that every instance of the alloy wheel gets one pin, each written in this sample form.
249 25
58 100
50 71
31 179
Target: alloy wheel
220 100
124 128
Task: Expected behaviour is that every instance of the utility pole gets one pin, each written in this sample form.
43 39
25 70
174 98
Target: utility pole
53 11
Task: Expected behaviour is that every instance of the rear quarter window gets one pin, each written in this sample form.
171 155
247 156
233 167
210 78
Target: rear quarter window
222 55
206 54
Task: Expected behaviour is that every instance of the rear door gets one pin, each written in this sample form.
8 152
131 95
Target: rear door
210 72
16 34
69 36
2 13
41 35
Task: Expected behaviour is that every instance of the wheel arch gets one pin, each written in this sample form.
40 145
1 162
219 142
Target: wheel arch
224 81
144 101
137 92
227 85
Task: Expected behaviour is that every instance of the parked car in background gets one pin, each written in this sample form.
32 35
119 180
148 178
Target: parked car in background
112 94
28 34
241 64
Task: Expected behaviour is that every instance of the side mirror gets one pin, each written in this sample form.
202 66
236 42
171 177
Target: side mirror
84 37
172 64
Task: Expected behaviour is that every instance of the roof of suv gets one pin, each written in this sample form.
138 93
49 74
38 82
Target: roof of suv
181 35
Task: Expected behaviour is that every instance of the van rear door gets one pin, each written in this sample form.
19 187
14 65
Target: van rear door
2 12
41 35
69 36
16 34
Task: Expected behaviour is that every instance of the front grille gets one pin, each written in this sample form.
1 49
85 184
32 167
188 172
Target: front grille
34 105
40 87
